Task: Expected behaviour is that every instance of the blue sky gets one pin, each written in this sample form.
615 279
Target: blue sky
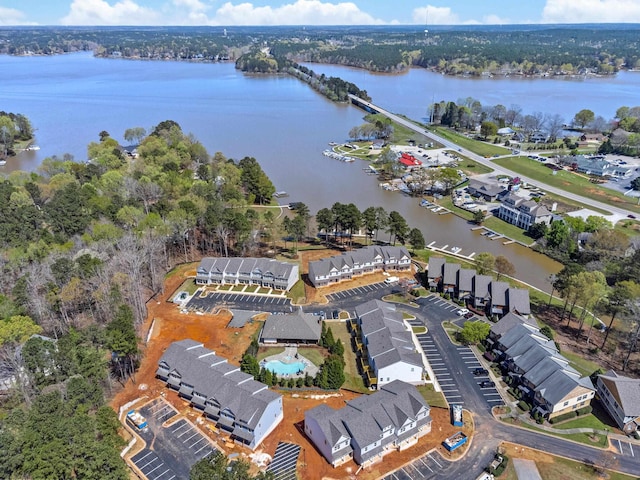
314 12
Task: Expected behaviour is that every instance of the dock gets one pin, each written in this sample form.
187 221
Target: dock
454 251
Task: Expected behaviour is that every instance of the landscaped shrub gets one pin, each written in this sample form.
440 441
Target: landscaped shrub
563 417
584 410
524 406
498 471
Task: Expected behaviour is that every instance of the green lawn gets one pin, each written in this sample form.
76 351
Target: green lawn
494 223
585 421
628 227
471 167
475 146
600 440
582 365
419 330
189 285
353 380
314 355
568 181
433 398
296 294
565 469
267 352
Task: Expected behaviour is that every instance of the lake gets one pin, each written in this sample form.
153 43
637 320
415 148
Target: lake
278 120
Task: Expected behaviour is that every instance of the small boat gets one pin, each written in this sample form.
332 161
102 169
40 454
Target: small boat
3 162
32 148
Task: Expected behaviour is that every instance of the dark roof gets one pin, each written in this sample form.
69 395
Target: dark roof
499 292
370 254
450 276
465 279
481 285
491 190
296 326
509 321
214 378
625 390
518 300
435 267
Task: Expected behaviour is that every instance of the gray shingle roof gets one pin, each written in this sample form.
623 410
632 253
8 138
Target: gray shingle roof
560 383
625 390
465 279
450 276
518 300
509 321
436 264
297 326
498 292
372 254
213 377
363 419
481 285
387 338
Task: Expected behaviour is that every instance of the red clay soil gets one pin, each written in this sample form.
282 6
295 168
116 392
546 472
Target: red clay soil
170 325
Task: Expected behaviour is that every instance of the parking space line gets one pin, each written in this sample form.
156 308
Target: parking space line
184 433
631 448
167 470
434 460
196 443
151 471
197 433
202 448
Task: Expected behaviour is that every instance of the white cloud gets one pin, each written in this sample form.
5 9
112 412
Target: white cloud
492 19
301 12
199 12
435 16
591 11
11 16
101 12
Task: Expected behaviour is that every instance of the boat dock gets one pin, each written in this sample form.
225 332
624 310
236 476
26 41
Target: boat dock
455 251
337 156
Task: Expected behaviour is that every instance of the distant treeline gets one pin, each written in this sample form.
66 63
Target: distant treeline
333 88
463 50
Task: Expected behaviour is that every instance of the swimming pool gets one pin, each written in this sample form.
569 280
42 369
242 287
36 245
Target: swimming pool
279 368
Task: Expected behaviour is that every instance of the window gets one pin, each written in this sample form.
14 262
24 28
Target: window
565 403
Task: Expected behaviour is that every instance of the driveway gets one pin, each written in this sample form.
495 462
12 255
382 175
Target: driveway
172 447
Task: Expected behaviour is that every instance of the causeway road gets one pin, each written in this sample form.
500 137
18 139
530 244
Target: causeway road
618 213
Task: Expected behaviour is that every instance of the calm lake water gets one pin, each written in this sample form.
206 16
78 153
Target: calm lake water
280 121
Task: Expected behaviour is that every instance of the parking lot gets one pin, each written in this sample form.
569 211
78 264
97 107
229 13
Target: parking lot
357 291
440 370
283 465
171 450
427 467
243 301
453 365
624 448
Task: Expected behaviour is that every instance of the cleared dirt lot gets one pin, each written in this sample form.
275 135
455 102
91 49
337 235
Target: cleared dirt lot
170 325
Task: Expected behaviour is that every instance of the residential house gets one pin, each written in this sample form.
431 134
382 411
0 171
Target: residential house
244 409
498 297
600 167
522 213
370 426
299 328
537 368
388 341
487 191
358 262
465 283
538 137
621 398
481 296
248 271
450 277
434 271
518 301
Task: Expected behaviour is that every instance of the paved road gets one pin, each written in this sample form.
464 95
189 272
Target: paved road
498 169
489 433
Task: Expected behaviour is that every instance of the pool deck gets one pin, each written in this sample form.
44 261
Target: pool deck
289 356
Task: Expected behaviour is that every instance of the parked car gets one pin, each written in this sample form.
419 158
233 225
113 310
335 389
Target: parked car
487 384
480 371
469 315
336 314
462 312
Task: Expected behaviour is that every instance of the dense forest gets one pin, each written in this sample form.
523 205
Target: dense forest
14 127
84 246
458 50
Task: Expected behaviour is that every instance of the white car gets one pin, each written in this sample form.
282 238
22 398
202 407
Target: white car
462 312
